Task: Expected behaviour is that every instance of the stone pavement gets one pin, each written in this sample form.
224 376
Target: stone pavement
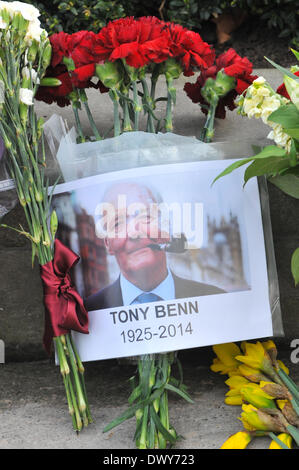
32 402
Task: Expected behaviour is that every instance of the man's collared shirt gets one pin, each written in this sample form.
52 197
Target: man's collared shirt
165 290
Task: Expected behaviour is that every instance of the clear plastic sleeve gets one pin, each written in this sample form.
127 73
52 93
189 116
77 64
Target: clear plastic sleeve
139 149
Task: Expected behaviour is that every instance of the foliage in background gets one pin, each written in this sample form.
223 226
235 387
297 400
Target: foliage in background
71 16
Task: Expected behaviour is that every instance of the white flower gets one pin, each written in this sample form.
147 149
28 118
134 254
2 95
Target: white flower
259 81
29 12
26 74
280 138
3 25
26 96
34 31
269 105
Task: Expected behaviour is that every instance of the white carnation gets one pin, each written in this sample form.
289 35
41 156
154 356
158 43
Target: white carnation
29 12
26 96
34 31
26 74
3 25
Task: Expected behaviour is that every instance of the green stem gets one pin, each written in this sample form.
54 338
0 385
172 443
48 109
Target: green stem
74 401
127 121
114 98
278 441
208 130
294 432
81 401
137 107
81 372
143 436
78 124
150 104
91 121
289 383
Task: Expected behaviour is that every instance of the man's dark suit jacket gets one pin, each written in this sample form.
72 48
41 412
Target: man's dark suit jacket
111 296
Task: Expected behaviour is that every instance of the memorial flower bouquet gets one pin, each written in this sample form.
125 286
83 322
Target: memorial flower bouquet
25 54
125 59
260 383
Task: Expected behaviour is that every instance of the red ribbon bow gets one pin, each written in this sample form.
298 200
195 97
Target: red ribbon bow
64 308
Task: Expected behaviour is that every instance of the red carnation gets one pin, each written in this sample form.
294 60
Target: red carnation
233 65
60 94
238 67
57 94
82 74
78 46
282 88
137 41
188 46
60 47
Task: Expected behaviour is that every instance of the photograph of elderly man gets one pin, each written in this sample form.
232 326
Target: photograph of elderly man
136 240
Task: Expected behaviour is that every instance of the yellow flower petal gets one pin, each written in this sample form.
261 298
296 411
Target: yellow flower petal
240 440
226 353
269 344
281 403
236 381
283 367
285 438
234 400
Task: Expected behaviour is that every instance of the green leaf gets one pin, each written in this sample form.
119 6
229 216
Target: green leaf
295 266
296 53
294 133
283 70
179 392
287 183
269 151
268 166
287 115
169 437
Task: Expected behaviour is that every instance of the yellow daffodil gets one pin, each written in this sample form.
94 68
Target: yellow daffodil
288 412
225 361
276 390
285 438
257 357
234 400
240 440
254 419
251 420
236 382
257 397
254 375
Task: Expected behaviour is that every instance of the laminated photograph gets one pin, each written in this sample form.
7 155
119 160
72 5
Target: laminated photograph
168 261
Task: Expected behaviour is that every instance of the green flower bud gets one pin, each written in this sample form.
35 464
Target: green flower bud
109 74
172 69
53 224
218 87
32 51
69 63
47 56
50 81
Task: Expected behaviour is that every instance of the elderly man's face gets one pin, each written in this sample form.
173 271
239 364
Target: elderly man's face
133 233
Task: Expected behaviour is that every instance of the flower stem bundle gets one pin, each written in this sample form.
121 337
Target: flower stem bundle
25 54
149 402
